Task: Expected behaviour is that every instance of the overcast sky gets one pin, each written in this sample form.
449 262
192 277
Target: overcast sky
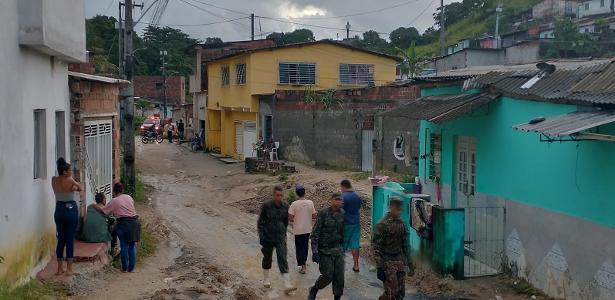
417 13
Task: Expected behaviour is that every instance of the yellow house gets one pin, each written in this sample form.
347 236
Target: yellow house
237 83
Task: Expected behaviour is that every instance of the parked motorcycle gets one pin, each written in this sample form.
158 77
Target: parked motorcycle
151 137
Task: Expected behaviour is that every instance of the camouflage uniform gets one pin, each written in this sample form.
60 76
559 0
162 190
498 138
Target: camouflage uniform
327 244
390 244
272 224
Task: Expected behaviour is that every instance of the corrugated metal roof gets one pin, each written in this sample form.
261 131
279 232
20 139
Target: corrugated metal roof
442 108
98 78
569 124
592 82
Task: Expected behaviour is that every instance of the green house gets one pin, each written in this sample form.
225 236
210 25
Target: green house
529 153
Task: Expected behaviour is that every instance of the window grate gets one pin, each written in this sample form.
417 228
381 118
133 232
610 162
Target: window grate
297 73
224 74
357 74
240 72
466 165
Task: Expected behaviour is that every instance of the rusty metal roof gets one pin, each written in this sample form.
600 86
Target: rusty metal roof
439 109
569 124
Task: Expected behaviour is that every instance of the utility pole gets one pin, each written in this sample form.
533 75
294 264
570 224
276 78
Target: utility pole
129 101
442 30
347 30
252 20
498 11
163 53
120 51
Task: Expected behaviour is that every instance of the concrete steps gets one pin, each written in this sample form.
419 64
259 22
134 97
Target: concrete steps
89 258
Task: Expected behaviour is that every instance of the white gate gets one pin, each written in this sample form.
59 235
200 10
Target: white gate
99 158
238 138
249 138
367 156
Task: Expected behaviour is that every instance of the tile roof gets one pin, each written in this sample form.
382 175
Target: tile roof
569 124
439 109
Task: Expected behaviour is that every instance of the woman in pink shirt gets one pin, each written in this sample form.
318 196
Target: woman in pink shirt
301 213
128 227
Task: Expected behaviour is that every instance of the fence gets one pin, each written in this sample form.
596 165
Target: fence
484 241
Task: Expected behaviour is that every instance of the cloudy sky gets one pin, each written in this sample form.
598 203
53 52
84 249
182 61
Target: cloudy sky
195 16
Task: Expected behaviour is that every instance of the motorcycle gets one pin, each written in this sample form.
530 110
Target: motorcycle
150 136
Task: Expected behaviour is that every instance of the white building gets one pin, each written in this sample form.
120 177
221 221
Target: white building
595 7
37 40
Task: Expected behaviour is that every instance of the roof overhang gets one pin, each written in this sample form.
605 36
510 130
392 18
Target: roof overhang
440 109
571 126
98 78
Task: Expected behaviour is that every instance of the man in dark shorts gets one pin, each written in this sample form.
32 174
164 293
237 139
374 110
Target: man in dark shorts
352 221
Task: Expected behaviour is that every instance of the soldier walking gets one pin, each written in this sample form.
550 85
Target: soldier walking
390 244
327 248
272 225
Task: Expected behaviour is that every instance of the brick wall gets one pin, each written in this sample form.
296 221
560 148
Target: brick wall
150 87
210 53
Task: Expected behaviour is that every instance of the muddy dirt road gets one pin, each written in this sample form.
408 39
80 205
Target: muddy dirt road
194 195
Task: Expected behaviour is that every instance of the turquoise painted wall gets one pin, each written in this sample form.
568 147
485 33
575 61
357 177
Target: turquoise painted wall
446 90
576 179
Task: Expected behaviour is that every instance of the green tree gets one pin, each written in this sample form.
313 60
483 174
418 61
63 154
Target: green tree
569 42
403 37
413 63
214 41
179 47
297 36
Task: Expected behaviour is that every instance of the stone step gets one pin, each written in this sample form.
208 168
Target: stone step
89 258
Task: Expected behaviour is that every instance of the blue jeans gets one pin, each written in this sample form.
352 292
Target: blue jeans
128 252
66 217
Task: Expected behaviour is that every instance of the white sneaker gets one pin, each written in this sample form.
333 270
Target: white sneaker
266 281
288 286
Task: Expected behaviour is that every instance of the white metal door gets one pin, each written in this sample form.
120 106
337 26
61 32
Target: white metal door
249 138
98 158
239 138
367 156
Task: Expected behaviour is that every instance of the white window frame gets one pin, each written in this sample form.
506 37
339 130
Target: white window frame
352 74
240 73
466 165
225 76
298 78
40 144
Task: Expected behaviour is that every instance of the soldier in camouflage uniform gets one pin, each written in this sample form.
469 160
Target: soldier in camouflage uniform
327 248
272 225
390 244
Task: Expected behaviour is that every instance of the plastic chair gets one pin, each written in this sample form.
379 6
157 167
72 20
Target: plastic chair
274 151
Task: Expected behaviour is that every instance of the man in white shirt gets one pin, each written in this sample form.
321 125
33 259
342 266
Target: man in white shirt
302 214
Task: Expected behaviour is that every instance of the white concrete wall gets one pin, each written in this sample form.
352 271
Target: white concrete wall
29 80
595 8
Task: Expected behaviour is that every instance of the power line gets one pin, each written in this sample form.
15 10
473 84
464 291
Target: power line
318 26
212 13
202 24
108 7
369 12
422 13
223 8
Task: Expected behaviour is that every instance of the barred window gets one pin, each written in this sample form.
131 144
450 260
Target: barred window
359 74
240 73
297 73
224 74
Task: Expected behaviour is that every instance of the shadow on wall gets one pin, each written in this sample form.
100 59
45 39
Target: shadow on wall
295 151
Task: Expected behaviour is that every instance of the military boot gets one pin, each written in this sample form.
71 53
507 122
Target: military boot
312 293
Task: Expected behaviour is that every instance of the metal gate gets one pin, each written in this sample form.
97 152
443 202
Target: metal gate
249 138
99 158
367 155
484 241
238 138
